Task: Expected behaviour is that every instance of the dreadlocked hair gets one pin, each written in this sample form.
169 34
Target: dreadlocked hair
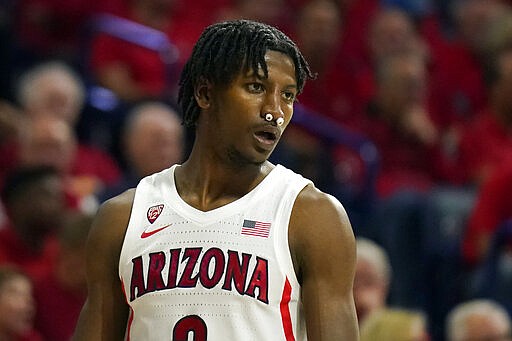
227 48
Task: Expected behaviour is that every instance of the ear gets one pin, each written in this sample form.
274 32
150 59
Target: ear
202 94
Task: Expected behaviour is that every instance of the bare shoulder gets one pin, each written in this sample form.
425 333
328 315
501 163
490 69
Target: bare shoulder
111 221
319 228
315 210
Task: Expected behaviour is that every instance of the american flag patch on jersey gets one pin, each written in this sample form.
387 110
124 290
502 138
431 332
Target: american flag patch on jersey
255 228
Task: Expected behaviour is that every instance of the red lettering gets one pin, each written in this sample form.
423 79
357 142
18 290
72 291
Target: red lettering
173 268
137 280
235 272
212 267
191 255
218 271
259 279
156 265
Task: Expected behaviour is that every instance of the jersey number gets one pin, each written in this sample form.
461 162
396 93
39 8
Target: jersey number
191 323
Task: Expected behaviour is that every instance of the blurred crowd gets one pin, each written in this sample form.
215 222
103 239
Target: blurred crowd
408 123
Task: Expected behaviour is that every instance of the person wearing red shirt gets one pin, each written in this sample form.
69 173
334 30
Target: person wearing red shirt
50 141
17 306
487 143
61 293
493 207
390 31
34 203
319 27
398 122
458 62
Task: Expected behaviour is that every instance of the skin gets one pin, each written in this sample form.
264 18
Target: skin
17 308
370 289
229 159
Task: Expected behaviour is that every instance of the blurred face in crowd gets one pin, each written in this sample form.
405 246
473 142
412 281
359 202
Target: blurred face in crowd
17 306
318 29
402 83
55 94
40 206
48 142
154 140
392 32
370 288
481 327
473 17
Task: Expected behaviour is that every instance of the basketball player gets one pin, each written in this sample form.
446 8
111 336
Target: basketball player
225 246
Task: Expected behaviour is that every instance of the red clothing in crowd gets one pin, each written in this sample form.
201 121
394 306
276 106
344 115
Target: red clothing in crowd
94 162
155 73
459 91
485 145
33 335
404 162
357 20
53 27
331 95
14 251
57 308
492 208
91 170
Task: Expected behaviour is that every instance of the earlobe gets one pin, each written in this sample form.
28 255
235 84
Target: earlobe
202 94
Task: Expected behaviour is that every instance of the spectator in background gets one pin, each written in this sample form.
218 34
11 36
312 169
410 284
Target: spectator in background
493 207
46 29
486 142
136 52
86 170
390 32
17 307
457 62
52 98
398 121
52 89
319 28
478 320
34 203
152 139
372 279
395 325
61 293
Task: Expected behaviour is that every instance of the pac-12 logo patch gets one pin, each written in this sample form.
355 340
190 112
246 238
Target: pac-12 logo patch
154 212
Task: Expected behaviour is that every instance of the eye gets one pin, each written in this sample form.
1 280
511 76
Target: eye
289 96
255 87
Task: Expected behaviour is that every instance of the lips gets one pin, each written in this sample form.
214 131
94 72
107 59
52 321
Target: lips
267 135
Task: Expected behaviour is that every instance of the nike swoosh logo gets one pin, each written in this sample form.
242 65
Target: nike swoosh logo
146 234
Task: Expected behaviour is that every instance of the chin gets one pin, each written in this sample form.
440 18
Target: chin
239 159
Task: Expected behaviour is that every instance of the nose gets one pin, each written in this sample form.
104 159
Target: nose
272 106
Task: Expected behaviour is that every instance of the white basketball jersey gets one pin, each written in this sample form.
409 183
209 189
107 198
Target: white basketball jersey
224 274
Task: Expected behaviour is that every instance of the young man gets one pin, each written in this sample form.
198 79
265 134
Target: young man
226 246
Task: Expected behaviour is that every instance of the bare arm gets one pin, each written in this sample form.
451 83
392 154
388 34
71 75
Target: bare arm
323 251
105 313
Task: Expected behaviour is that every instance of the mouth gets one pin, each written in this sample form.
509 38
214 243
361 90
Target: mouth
267 135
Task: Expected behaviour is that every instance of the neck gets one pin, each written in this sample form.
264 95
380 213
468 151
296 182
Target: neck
206 183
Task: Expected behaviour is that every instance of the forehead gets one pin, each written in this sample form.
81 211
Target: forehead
278 64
